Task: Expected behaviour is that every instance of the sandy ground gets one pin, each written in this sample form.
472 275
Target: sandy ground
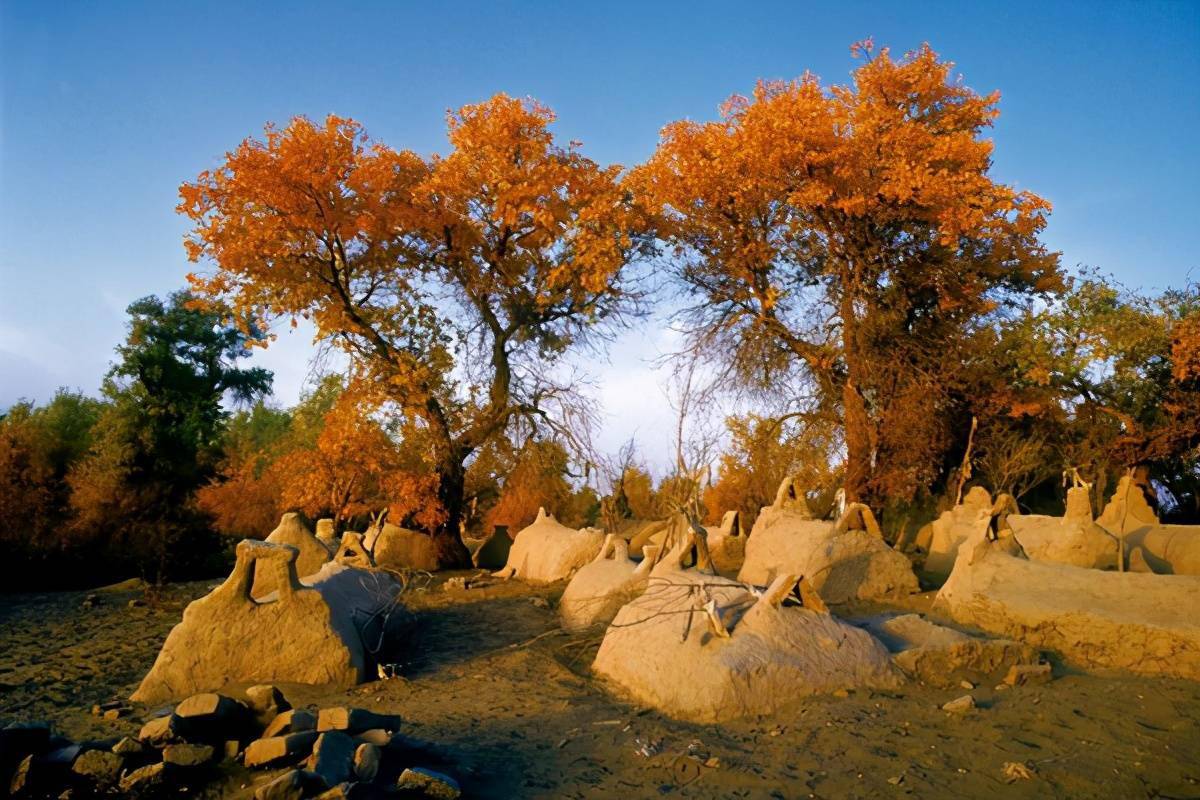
507 700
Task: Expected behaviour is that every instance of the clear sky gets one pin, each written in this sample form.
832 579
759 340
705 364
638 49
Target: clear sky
106 107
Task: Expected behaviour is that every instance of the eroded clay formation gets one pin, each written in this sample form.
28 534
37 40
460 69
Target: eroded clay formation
844 560
1141 623
727 545
313 553
1072 539
324 630
705 648
549 551
1150 546
601 587
398 548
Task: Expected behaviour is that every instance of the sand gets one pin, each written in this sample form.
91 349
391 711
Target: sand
509 704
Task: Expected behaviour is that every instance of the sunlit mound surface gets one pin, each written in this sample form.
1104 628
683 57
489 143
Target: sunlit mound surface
549 551
1139 622
700 647
329 629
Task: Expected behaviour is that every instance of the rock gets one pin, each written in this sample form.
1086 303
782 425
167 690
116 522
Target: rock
128 746
333 757
548 551
295 720
276 750
188 755
376 736
721 652
1142 623
400 549
433 784
115 713
211 717
314 633
144 779
30 779
311 554
355 720
601 587
159 730
101 767
267 702
1022 674
960 705
966 685
366 762
230 750
291 785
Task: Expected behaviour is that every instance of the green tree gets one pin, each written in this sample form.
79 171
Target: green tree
159 441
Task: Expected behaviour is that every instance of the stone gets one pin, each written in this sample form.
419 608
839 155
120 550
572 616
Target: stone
230 750
159 730
1022 674
209 716
312 554
294 720
376 736
333 757
291 785
266 701
399 548
366 762
703 648
24 782
102 767
960 705
1137 622
188 755
433 784
354 720
598 590
493 553
144 779
548 551
276 750
311 633
843 561
128 746
115 713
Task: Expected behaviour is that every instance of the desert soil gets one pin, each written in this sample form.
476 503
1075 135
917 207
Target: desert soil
509 706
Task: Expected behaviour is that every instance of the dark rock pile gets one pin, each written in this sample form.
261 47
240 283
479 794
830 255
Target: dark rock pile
328 753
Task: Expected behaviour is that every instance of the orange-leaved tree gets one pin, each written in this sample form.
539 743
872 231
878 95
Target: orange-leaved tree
453 283
356 467
854 231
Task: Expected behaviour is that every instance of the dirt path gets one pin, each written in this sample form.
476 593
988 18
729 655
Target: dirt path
508 701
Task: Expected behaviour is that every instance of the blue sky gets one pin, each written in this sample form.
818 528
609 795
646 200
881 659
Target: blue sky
106 107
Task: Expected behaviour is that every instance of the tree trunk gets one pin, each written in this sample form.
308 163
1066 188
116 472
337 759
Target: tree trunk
451 552
855 420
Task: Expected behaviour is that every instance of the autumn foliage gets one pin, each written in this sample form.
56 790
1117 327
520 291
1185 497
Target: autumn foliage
452 283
